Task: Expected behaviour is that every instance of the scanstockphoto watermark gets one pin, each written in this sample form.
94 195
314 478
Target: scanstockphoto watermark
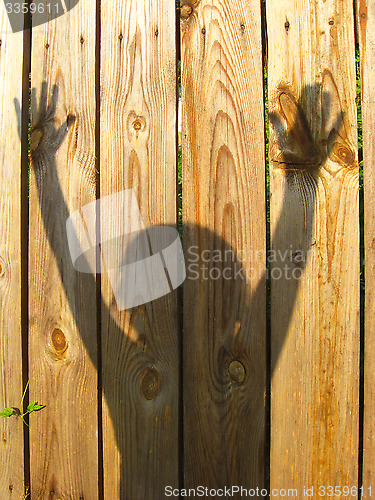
239 491
229 492
143 264
228 264
22 15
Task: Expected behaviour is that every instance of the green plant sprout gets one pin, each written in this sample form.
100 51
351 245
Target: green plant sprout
19 412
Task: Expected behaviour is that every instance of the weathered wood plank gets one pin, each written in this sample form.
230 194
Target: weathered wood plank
224 217
315 227
11 429
138 151
366 33
62 304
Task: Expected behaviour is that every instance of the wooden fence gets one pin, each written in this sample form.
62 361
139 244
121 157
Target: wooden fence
255 376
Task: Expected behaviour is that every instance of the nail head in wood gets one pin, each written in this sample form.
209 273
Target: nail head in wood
186 10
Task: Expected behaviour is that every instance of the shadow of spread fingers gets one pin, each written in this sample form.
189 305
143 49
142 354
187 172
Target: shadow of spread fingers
52 104
43 102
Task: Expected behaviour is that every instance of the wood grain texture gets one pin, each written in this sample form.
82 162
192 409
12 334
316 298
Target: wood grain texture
62 304
315 227
366 33
138 151
224 242
11 429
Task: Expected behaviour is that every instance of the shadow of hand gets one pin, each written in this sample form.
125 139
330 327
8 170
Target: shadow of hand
297 149
46 135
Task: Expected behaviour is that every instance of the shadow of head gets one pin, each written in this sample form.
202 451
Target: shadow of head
150 264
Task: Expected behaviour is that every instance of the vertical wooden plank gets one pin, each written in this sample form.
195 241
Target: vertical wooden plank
366 26
62 304
11 429
224 217
138 152
315 234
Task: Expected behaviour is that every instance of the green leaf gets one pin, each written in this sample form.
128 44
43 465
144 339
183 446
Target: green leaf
7 412
34 407
39 407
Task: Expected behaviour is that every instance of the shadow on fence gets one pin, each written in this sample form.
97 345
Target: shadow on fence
300 156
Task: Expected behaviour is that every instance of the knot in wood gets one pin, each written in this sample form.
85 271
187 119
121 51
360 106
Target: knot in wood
237 371
59 341
150 384
344 155
136 124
